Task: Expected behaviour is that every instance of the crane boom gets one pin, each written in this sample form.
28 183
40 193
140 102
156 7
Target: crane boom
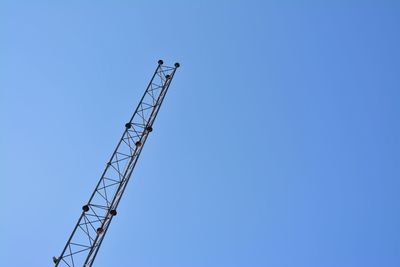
88 234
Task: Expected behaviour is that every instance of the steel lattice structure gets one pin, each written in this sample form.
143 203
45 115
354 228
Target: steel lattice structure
86 238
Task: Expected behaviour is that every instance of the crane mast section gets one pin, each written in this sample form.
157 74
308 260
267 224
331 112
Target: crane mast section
86 238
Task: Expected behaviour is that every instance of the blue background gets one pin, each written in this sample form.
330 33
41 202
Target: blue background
277 144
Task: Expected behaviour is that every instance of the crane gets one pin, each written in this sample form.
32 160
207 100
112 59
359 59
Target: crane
88 234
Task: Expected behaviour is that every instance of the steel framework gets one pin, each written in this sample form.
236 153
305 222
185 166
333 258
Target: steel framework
88 234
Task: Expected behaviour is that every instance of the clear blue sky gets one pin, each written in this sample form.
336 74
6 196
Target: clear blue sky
277 145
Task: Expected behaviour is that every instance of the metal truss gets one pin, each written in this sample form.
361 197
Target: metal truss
86 238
